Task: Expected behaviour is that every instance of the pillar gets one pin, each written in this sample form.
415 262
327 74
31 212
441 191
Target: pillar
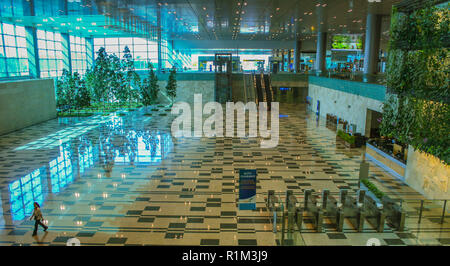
372 43
282 60
90 52
289 61
321 52
297 53
32 51
158 21
66 54
31 38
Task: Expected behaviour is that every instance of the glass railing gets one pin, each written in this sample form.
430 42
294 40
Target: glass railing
379 79
425 214
420 217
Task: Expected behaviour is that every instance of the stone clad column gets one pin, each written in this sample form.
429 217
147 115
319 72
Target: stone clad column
297 55
321 51
372 43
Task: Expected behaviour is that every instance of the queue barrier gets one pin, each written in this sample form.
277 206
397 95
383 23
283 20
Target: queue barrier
395 215
332 210
375 215
353 208
313 209
295 213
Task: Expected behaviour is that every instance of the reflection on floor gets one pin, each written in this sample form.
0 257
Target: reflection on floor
125 181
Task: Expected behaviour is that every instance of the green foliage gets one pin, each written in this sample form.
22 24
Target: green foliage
421 73
425 28
116 81
149 87
418 73
131 78
346 137
98 78
82 96
421 123
74 114
65 90
171 87
71 91
419 58
372 188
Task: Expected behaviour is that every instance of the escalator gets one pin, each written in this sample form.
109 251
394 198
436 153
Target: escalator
223 88
259 88
249 89
268 90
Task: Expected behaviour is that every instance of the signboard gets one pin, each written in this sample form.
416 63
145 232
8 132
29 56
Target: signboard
247 189
347 42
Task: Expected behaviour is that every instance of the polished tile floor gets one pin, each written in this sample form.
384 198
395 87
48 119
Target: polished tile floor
123 180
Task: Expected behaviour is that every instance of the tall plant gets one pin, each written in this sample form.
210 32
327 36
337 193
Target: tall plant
98 78
117 80
149 87
72 91
171 87
82 96
131 78
65 90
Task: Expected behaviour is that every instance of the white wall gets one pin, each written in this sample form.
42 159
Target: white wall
337 103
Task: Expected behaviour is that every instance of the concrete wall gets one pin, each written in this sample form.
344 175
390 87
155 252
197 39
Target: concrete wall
348 100
428 175
26 102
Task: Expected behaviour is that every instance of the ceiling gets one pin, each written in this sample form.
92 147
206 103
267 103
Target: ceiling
214 20
253 19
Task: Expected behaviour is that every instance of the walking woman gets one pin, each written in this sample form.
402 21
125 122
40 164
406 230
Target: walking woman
37 214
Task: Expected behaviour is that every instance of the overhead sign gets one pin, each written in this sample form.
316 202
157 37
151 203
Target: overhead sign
247 189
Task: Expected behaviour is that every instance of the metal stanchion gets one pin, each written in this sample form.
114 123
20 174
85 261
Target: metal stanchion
443 211
420 213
